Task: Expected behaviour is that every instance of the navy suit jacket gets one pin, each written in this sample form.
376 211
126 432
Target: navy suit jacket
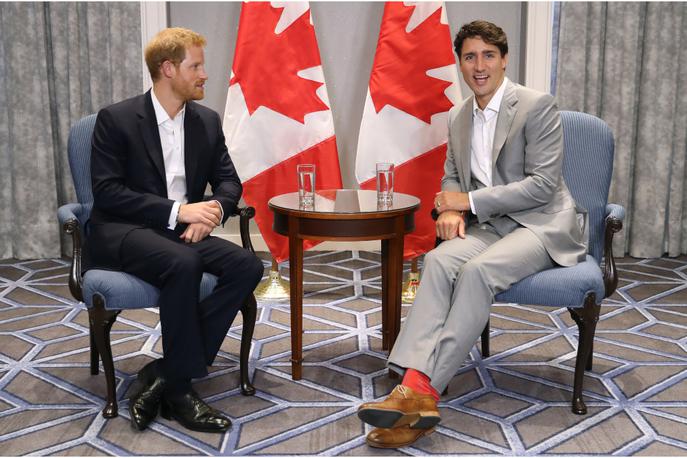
128 172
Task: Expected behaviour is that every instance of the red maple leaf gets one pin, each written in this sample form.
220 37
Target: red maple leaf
265 64
399 73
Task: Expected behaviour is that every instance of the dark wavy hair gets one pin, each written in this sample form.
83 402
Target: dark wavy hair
490 33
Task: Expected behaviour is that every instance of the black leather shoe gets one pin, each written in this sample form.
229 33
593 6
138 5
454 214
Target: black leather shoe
144 405
193 413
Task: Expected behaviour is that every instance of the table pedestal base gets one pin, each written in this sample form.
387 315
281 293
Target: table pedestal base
392 279
345 215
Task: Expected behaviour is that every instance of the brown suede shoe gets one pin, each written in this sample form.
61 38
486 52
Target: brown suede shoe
395 437
402 407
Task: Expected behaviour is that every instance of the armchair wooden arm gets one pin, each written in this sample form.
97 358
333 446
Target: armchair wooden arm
72 228
613 225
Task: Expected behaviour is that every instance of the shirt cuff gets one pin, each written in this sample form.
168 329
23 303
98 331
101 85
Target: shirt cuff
173 215
221 216
472 204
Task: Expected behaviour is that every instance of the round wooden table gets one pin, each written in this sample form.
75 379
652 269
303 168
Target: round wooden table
345 215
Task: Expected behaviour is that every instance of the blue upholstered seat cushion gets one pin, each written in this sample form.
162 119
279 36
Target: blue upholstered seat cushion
560 286
124 291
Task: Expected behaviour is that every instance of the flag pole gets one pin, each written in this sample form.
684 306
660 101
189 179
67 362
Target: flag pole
411 284
274 287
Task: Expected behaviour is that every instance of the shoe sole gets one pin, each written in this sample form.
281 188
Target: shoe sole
168 416
403 444
382 418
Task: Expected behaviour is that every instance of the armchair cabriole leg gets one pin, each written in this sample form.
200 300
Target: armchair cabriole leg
249 309
101 322
581 327
485 341
249 312
95 357
586 320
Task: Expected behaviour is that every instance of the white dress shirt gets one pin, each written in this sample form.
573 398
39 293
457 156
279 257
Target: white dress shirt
483 130
172 141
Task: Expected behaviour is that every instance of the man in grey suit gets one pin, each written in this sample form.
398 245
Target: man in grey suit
504 213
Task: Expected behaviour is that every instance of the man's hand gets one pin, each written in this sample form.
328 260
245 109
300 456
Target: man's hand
451 224
207 213
451 200
202 219
195 232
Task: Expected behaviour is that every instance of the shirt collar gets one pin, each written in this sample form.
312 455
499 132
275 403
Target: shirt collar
495 102
160 113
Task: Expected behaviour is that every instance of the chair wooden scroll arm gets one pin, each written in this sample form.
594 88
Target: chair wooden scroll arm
68 216
614 223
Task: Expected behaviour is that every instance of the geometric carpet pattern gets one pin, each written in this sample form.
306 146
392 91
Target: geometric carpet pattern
516 402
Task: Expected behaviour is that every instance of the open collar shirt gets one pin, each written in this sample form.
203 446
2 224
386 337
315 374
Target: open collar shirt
483 130
172 141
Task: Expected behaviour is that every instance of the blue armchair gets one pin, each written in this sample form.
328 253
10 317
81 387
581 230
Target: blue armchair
106 293
587 168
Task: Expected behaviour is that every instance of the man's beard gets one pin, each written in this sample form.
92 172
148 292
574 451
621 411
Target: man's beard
190 93
197 94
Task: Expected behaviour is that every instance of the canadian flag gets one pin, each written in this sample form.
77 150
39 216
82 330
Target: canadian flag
277 113
413 85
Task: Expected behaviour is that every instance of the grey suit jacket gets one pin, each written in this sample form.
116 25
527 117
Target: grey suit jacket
527 183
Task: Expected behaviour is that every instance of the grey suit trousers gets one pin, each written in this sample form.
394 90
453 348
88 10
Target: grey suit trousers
459 281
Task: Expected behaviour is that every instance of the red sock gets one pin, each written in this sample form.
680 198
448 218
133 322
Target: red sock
419 382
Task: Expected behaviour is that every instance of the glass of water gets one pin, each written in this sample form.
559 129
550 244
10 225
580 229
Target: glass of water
306 185
385 184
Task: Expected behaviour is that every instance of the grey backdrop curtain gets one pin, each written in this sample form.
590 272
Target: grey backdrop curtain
627 64
58 62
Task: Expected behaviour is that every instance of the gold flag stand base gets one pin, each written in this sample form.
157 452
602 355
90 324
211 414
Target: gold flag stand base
273 288
411 284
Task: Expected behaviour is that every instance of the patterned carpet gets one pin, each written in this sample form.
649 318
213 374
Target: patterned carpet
514 403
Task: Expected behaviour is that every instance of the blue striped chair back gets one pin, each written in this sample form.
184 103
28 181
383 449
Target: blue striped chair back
79 151
587 168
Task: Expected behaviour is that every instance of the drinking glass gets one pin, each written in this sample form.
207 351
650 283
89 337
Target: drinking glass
385 184
306 184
